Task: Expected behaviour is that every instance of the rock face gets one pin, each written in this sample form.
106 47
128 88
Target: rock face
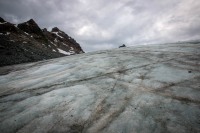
122 46
30 27
62 41
131 90
26 42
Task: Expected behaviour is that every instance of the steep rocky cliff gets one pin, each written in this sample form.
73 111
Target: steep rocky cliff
26 42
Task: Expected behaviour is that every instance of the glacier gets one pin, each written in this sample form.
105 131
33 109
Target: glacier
139 89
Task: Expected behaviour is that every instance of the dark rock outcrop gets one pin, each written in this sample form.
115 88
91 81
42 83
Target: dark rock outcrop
62 40
55 29
6 27
32 28
2 20
122 46
26 42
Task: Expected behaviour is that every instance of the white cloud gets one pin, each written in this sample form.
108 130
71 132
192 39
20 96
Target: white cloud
103 24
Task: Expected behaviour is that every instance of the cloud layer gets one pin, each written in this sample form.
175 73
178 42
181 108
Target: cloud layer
103 24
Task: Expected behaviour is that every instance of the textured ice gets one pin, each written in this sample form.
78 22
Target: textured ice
141 89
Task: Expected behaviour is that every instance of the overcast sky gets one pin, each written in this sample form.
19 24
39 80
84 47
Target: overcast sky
105 24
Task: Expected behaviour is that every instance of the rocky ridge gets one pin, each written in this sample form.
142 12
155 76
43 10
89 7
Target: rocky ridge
27 42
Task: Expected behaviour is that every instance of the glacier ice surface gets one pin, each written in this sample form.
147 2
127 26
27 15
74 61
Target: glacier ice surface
151 88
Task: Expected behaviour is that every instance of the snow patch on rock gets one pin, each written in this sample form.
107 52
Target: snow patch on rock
63 52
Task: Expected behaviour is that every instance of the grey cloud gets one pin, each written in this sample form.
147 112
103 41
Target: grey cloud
103 24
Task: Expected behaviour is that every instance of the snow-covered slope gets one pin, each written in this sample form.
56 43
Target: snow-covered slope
128 90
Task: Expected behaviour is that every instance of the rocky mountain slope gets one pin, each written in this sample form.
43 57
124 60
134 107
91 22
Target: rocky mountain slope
140 89
26 42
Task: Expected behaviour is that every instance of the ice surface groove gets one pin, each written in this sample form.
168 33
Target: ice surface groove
139 89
